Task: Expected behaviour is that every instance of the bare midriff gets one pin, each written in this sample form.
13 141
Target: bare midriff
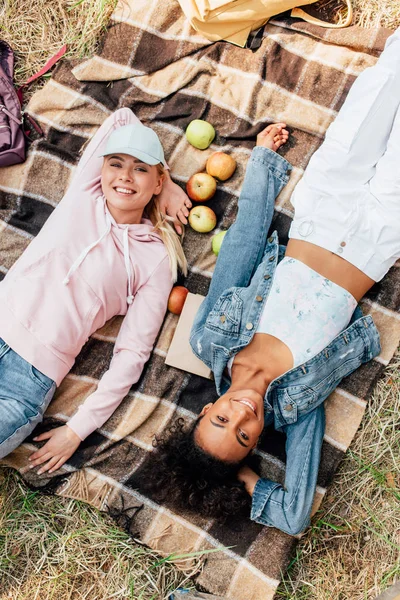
330 265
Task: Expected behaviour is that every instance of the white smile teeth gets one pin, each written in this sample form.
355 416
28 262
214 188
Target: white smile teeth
123 190
248 404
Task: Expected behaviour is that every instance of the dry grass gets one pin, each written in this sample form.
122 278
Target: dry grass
372 13
36 29
57 549
352 551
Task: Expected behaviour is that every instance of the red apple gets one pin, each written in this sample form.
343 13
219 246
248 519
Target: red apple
221 165
177 299
201 187
202 218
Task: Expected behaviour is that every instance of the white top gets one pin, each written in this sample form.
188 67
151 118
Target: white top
304 310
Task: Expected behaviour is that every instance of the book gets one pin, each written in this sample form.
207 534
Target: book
180 354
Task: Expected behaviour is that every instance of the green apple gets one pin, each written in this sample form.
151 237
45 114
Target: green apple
216 242
202 219
200 134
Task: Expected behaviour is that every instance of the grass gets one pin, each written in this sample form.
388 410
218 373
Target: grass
352 550
59 549
37 29
372 13
53 548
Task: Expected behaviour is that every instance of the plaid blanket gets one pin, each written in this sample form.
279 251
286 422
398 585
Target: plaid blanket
153 62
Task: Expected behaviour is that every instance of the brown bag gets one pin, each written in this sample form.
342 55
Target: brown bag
232 20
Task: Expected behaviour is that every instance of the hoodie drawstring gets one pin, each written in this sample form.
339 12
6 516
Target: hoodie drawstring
129 298
77 263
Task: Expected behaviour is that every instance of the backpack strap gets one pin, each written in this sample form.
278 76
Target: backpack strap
7 59
301 14
50 63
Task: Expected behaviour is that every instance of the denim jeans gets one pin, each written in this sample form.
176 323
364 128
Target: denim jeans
25 394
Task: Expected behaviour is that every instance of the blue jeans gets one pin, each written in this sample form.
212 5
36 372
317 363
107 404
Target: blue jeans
25 394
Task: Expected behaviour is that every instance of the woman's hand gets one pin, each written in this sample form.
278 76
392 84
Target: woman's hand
62 443
273 136
174 202
249 478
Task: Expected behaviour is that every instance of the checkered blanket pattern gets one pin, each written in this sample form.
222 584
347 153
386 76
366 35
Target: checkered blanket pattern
153 62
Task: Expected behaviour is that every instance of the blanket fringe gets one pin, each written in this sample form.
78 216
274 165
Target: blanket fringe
82 487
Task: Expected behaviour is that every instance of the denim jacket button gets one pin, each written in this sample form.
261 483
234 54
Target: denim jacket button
222 318
272 258
270 240
267 276
288 407
259 298
249 326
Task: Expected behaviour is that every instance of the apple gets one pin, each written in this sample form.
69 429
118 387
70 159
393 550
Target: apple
201 187
177 299
202 219
200 134
221 165
216 242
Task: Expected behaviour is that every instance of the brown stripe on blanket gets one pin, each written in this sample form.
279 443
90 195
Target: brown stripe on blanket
168 75
12 244
351 37
239 536
386 293
361 383
270 550
343 414
93 359
28 214
331 457
388 323
119 43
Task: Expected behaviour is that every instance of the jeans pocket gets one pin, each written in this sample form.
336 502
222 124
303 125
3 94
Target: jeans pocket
40 378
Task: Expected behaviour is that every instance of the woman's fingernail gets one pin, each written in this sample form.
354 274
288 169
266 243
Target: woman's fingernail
39 472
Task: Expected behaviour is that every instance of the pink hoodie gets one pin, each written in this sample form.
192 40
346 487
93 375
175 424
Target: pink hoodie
81 270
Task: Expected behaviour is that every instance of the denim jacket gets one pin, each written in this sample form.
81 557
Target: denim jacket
227 321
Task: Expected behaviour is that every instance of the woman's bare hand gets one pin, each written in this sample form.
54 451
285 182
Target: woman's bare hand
273 136
174 202
249 478
62 443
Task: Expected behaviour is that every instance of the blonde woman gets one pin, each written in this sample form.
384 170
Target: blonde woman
106 250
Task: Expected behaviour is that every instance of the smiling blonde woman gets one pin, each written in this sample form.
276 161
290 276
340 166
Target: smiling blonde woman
106 250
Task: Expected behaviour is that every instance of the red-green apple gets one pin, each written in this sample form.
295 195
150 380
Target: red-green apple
200 133
177 299
201 187
202 219
221 165
216 242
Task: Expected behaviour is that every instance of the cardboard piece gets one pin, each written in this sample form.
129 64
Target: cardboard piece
180 354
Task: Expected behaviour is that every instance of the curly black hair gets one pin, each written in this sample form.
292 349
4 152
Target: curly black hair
180 474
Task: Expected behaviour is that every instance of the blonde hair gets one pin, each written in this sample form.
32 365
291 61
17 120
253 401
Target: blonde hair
164 227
